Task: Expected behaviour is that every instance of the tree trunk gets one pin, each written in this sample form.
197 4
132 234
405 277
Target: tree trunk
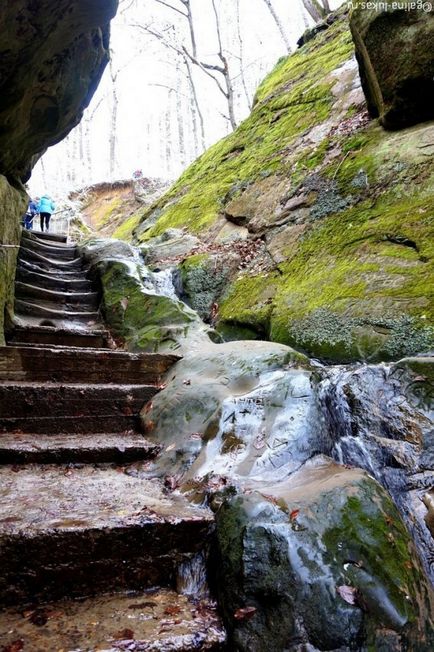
180 116
314 9
113 125
278 24
240 40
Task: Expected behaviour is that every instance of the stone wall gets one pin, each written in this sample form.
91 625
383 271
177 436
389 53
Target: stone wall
52 56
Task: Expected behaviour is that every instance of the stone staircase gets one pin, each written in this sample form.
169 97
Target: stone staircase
94 555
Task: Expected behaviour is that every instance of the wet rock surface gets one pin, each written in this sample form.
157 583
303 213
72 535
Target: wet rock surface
380 418
134 306
220 410
320 560
155 621
106 529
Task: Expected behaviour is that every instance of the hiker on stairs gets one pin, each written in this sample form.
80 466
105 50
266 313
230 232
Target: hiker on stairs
32 210
46 207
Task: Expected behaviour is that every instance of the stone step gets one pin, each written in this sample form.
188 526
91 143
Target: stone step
49 310
56 252
30 448
67 532
85 300
56 274
34 333
76 364
49 263
70 424
51 237
68 284
156 621
33 400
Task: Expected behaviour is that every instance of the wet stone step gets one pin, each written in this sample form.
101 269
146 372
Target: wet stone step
81 364
156 621
56 273
50 250
51 237
119 448
85 300
49 262
27 400
74 532
35 333
24 275
70 424
49 309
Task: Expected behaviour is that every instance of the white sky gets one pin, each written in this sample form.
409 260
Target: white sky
147 71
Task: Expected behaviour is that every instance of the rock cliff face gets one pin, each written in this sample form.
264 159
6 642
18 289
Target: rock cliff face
338 211
395 51
52 55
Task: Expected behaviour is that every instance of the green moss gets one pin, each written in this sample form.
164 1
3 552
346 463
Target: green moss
146 321
125 230
106 211
374 528
320 299
292 99
204 277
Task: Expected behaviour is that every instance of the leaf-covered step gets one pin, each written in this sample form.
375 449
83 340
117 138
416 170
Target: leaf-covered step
68 532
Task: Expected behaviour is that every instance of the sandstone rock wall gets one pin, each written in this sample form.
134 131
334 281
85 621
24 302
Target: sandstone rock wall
52 56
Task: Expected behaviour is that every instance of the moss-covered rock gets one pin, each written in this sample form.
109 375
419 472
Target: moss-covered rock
146 319
204 279
170 246
13 204
321 560
345 210
394 47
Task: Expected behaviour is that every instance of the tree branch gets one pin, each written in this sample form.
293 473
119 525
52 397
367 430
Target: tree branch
166 4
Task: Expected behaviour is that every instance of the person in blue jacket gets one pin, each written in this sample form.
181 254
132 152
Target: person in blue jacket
32 210
46 207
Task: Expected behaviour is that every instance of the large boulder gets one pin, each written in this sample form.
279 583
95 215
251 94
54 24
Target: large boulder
235 409
52 55
134 305
320 562
395 51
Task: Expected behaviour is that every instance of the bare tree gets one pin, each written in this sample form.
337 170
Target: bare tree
241 46
279 24
218 72
317 9
113 119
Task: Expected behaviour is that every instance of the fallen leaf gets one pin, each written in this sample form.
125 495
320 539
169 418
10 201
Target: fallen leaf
245 613
148 426
347 593
15 646
293 515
